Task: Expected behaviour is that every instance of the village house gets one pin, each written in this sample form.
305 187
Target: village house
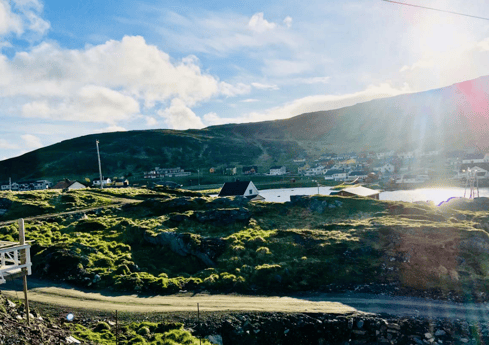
336 175
250 170
120 182
475 158
278 170
359 191
231 171
245 189
68 185
302 169
105 181
318 170
27 185
413 179
166 172
357 175
381 155
481 170
387 167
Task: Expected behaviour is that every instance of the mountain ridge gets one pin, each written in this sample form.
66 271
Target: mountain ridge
450 118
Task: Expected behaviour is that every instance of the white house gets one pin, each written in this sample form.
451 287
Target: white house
413 179
68 185
336 175
361 175
319 170
246 189
105 181
278 170
475 158
388 167
481 173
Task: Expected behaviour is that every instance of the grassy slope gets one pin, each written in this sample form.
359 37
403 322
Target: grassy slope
304 246
439 119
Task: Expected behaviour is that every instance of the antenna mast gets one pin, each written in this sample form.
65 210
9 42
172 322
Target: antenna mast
99 166
472 184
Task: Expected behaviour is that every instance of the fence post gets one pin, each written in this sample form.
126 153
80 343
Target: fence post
23 260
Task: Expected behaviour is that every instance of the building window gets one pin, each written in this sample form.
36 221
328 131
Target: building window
251 191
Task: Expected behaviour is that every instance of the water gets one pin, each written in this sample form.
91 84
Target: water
436 195
283 195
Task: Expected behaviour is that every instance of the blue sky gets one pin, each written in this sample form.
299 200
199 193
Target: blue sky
70 68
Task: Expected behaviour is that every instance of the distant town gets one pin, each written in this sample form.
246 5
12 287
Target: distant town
389 169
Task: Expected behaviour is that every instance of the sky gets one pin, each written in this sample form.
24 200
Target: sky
72 68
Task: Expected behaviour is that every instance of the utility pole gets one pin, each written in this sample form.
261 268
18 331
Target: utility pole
99 166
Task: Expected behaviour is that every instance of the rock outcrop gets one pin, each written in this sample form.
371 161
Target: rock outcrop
205 249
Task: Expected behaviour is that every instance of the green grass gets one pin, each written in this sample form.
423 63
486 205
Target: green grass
298 246
144 333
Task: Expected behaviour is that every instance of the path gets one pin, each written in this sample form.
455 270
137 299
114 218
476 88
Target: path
65 297
119 202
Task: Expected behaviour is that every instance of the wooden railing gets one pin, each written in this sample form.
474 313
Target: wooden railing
15 259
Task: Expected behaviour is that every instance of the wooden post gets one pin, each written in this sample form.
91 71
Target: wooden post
116 329
24 270
198 318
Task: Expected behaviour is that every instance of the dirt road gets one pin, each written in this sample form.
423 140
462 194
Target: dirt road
66 297
119 202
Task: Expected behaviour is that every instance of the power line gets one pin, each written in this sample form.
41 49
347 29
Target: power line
436 9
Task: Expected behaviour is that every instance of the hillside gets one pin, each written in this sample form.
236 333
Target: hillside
453 117
168 242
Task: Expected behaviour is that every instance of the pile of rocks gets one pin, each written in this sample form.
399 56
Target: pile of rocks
15 330
323 329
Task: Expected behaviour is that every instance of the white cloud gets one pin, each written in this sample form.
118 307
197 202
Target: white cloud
179 116
219 33
279 67
249 100
312 80
24 16
261 86
151 121
9 21
212 119
31 141
111 129
234 90
105 83
288 21
440 69
4 144
259 24
91 104
312 104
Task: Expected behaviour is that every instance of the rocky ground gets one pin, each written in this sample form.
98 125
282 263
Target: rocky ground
15 330
250 328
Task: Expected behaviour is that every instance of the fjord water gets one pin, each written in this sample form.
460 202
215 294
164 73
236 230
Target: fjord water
436 195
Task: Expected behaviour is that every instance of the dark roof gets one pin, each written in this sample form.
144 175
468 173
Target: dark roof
358 173
98 178
64 184
331 172
475 156
409 177
466 166
277 167
248 168
234 188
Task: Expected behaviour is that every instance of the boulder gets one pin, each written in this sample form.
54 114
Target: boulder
205 249
223 216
